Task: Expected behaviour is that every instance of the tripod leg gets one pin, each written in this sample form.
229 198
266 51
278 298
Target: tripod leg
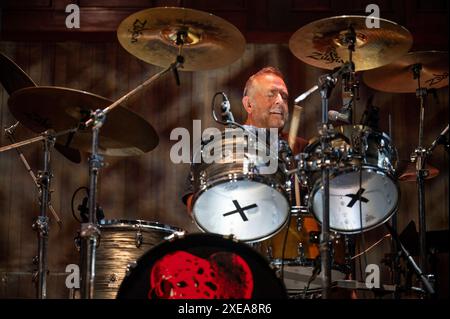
409 258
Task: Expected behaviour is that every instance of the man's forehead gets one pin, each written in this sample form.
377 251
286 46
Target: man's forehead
270 79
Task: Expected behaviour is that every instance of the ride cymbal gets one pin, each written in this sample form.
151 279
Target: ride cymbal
209 42
124 133
322 43
398 77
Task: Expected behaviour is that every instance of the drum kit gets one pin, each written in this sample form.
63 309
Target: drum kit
250 220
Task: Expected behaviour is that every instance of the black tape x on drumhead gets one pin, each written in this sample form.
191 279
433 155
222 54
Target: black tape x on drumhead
202 266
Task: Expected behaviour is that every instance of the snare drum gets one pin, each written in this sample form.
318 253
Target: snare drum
121 244
244 191
201 266
363 191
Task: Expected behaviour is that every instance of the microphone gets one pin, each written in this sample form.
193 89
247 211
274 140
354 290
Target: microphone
336 116
442 139
226 114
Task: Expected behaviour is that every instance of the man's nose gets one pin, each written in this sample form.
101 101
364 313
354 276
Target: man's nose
279 99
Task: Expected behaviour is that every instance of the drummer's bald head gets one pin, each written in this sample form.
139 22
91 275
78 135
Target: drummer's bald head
263 71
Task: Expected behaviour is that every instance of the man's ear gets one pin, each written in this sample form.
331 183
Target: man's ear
246 104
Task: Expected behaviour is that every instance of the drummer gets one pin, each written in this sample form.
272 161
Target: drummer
265 100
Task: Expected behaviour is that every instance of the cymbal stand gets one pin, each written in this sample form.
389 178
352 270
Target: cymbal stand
326 84
420 156
41 224
349 84
10 134
426 283
89 231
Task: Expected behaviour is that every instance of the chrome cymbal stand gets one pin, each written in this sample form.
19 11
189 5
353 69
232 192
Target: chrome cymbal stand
326 163
420 157
326 85
89 231
41 225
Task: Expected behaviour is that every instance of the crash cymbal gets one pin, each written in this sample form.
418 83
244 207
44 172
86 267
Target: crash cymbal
210 42
397 77
407 171
12 77
321 43
41 108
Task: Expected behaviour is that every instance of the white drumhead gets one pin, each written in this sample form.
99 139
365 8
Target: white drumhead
264 210
379 198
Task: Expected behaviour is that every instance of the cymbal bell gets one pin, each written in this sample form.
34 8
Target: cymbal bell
124 132
407 171
323 43
397 77
209 42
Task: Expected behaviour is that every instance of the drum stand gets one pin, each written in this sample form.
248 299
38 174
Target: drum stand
326 84
89 231
43 181
420 156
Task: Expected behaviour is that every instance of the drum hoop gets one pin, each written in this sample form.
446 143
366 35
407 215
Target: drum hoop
136 224
259 178
364 229
316 140
255 240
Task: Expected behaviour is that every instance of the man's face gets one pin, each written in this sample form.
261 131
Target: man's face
268 102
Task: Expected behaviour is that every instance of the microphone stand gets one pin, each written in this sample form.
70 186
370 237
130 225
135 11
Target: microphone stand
89 231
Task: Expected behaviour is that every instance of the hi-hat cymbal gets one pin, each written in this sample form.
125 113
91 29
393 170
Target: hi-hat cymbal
42 108
321 43
407 171
398 77
210 42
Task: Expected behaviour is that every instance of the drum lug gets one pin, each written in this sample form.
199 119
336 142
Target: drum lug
202 178
130 267
113 280
138 239
175 235
269 252
301 251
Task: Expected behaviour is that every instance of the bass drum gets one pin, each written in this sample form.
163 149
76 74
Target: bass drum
121 244
201 266
363 190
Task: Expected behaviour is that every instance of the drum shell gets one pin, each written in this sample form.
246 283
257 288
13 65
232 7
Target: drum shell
239 165
302 244
121 244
